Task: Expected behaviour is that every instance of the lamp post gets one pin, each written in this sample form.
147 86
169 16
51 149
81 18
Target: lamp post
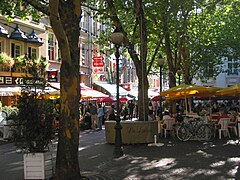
161 63
179 72
117 39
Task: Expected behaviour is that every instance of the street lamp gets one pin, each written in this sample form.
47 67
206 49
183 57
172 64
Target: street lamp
117 39
161 63
179 72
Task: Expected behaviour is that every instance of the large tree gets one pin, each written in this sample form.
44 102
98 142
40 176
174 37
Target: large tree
64 17
187 33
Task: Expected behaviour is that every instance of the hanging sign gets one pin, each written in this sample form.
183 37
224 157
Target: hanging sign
98 61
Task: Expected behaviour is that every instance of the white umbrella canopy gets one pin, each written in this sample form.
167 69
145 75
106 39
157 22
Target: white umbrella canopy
151 93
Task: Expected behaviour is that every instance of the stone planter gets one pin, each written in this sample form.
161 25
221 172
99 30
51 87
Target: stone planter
38 165
133 132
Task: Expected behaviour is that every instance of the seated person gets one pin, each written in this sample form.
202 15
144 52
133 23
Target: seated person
179 117
224 114
233 117
166 115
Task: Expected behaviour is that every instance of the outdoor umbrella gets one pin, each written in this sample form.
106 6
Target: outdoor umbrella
232 90
124 99
106 99
187 90
157 98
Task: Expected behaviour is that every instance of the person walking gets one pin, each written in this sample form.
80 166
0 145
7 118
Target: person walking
93 112
100 115
130 110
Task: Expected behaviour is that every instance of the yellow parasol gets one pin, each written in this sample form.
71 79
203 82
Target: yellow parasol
188 90
232 90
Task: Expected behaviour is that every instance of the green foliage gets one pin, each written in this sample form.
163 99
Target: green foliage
214 35
19 8
6 60
34 123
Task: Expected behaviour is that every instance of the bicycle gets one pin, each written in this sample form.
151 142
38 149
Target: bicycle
194 128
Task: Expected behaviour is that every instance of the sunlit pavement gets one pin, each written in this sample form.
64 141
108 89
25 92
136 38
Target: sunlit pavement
219 159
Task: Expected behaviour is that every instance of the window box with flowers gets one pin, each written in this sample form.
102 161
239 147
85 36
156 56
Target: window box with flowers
6 62
20 64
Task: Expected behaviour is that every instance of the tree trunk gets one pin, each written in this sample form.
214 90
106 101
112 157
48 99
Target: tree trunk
142 67
142 91
65 18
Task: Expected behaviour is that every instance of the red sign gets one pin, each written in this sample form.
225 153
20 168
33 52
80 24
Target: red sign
98 58
98 63
98 70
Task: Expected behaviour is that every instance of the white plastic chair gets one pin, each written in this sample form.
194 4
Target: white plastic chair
223 123
233 126
168 126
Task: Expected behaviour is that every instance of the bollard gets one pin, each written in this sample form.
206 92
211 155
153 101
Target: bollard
155 139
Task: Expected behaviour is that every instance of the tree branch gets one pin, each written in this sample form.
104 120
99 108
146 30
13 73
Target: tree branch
41 6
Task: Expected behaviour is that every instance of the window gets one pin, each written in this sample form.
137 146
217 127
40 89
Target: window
51 48
83 55
1 46
16 50
84 20
94 27
32 53
59 55
233 68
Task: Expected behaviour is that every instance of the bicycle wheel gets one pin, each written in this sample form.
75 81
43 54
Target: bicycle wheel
204 133
183 134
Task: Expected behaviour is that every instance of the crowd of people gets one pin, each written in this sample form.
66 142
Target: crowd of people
95 114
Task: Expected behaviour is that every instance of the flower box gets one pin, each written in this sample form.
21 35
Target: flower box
38 165
133 132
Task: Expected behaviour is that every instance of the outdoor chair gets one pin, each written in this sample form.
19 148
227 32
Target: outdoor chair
233 124
223 127
168 126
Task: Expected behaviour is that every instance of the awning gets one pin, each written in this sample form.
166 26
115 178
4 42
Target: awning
16 90
112 88
92 93
151 93
10 91
86 92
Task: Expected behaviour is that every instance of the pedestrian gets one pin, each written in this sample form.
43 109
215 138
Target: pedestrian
124 111
135 110
56 114
93 113
111 113
130 110
150 111
100 115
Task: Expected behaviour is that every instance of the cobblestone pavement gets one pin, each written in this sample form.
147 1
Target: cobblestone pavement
217 160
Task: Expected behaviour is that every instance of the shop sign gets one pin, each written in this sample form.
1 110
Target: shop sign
5 80
98 61
8 80
52 76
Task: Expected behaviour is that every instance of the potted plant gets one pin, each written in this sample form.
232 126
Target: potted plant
34 129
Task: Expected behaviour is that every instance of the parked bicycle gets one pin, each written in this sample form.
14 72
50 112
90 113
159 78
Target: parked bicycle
194 128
